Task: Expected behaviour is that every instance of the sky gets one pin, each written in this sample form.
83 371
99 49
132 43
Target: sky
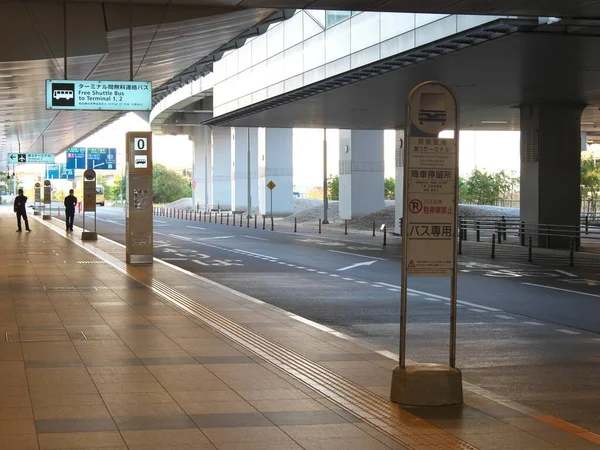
485 150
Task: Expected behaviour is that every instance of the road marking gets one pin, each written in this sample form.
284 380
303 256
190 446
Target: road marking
196 228
348 279
334 275
502 316
560 289
357 254
366 263
432 300
393 290
478 310
564 272
312 270
291 265
174 259
376 285
159 221
361 282
567 331
441 297
281 262
254 254
322 273
254 237
537 324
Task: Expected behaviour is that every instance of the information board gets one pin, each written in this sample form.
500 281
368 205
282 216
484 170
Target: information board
76 158
59 172
102 158
31 158
99 95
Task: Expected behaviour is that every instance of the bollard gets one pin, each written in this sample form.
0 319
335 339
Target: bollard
255 220
272 224
530 256
216 213
247 221
210 217
204 216
319 226
587 224
227 219
295 225
499 227
401 225
384 235
493 245
522 233
233 219
478 231
221 221
241 220
263 222
460 239
572 254
504 228
345 226
373 228
195 216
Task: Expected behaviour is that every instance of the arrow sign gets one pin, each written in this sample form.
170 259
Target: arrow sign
366 263
12 156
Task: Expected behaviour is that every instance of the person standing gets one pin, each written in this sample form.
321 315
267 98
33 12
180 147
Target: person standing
19 207
70 202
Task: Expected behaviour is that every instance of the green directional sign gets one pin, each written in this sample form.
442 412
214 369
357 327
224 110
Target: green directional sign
30 158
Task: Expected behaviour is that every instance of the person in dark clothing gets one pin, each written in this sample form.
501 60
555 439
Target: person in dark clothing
70 202
19 207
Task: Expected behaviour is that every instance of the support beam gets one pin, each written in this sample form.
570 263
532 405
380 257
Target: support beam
275 163
202 168
222 165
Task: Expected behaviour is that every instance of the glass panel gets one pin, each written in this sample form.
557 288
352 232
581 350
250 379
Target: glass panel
364 30
394 24
337 41
275 40
334 17
292 34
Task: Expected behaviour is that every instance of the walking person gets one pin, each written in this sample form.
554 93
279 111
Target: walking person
70 202
19 207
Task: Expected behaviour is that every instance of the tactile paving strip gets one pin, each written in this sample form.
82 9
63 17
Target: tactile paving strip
403 427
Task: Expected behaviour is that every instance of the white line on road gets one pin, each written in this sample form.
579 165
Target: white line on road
537 324
334 275
429 299
502 316
567 331
560 289
393 290
356 254
196 228
348 279
174 259
159 221
179 237
322 273
361 282
254 237
564 272
366 263
377 285
478 310
253 254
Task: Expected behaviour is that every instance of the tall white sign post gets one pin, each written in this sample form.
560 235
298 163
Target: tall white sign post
429 233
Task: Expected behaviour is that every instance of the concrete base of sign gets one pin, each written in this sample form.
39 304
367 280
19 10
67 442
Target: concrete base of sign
46 217
89 236
427 385
139 259
37 213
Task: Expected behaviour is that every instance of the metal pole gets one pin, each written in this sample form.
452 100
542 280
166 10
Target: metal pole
325 199
493 245
249 182
130 40
65 36
271 205
530 255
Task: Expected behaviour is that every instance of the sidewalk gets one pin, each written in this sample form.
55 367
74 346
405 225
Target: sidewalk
98 354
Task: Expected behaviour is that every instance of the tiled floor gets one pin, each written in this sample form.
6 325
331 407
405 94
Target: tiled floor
97 355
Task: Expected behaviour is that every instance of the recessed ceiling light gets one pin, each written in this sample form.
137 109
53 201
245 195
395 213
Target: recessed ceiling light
588 123
494 121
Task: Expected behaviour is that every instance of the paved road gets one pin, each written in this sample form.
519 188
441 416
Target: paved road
527 332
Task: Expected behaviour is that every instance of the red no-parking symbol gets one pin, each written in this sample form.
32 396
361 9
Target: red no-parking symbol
415 206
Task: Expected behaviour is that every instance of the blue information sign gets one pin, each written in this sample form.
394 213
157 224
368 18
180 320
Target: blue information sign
76 158
59 171
102 158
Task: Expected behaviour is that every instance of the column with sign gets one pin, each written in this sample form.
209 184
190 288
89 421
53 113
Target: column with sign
47 214
89 206
37 196
429 233
139 227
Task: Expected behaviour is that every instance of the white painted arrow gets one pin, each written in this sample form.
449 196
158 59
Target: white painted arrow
366 263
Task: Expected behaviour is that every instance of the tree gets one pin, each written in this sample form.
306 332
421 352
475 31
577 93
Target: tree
389 188
485 188
590 182
333 187
168 185
315 193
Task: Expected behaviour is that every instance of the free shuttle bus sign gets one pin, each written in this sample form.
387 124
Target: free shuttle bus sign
99 95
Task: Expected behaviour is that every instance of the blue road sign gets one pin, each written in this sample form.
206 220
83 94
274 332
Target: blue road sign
76 158
53 171
102 158
59 171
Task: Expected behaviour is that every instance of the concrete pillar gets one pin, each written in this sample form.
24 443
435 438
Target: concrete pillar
399 193
361 172
221 172
243 150
550 168
202 168
275 163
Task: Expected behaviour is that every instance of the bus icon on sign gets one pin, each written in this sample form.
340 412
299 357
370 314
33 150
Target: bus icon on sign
63 94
